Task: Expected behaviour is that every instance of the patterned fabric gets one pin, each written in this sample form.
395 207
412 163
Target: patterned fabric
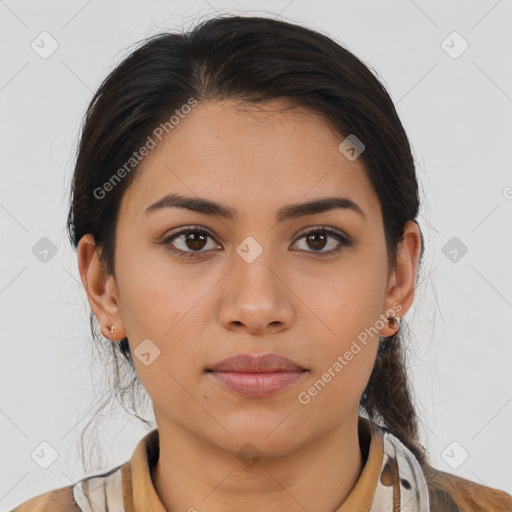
401 485
391 480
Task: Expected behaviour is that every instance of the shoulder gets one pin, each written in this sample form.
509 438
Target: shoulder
97 493
51 501
451 493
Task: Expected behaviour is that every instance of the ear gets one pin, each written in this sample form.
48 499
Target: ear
100 288
402 281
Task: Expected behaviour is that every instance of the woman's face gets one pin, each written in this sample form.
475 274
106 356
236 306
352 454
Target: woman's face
252 282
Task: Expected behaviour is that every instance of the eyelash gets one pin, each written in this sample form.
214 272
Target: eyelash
343 241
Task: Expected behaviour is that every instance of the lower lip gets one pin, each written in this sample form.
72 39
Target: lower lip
258 385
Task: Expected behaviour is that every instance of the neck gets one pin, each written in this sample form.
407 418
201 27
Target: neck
194 474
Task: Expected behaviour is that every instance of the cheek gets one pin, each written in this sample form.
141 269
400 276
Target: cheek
344 360
154 295
349 305
159 315
164 316
348 299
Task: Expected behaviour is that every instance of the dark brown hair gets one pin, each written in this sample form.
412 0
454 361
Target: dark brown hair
248 59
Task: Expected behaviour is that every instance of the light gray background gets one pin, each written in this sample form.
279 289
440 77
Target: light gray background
457 113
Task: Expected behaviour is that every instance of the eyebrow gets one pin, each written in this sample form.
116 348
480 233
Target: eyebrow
291 211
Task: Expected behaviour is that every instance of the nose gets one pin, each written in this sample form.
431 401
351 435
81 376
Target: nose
255 297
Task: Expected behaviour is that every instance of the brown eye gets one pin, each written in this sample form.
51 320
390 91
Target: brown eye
188 242
319 239
195 240
191 242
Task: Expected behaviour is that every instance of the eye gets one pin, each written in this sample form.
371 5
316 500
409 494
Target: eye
190 241
319 239
188 238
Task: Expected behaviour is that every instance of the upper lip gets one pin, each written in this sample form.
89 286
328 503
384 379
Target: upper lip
265 363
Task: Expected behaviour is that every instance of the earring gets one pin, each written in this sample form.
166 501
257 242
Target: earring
394 321
112 328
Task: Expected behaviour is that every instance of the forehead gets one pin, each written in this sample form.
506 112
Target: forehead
250 156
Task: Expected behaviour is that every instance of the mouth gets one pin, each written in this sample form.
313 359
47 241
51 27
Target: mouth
264 363
257 376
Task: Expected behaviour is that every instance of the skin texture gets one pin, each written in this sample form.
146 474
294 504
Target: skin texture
294 299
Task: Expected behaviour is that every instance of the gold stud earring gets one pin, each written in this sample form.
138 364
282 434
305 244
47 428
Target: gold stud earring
112 328
394 321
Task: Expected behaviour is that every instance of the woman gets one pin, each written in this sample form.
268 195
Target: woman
243 208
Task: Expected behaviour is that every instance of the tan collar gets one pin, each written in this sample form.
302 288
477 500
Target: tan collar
139 494
361 496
